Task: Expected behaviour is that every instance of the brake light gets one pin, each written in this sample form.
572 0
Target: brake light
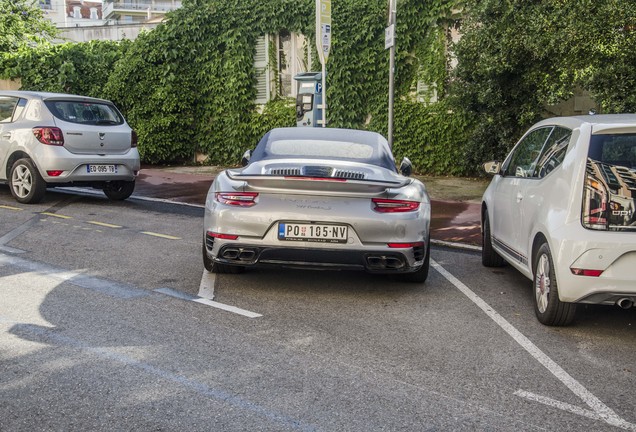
586 272
331 179
133 138
394 206
49 135
237 199
222 236
405 245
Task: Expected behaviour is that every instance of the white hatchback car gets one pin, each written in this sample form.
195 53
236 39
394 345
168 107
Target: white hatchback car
50 139
561 210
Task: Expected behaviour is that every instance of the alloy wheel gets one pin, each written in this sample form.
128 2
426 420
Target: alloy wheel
22 181
542 283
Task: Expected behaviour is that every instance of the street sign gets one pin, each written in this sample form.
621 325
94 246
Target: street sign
389 36
323 29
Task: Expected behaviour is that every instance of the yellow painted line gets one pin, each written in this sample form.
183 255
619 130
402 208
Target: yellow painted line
10 208
56 215
169 237
104 224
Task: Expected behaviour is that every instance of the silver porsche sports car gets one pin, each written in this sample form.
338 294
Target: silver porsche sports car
320 198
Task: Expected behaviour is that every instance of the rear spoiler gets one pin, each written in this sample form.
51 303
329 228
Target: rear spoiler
333 185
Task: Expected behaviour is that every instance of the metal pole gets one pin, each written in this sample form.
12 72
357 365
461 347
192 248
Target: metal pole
392 17
324 95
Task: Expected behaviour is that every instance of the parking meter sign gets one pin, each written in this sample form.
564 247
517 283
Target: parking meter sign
323 29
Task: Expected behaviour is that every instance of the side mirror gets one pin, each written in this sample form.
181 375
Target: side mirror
406 167
492 167
246 157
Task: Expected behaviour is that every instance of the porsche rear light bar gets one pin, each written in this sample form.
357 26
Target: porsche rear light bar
382 205
332 179
237 199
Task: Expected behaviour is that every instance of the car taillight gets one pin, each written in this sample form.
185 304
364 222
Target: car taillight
222 236
405 245
54 173
595 204
382 205
586 272
49 135
133 139
237 199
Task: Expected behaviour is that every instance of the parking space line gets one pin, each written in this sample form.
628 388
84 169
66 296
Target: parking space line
56 215
11 208
104 224
183 296
604 412
165 236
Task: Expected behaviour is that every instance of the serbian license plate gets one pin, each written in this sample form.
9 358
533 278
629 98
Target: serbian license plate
101 169
313 232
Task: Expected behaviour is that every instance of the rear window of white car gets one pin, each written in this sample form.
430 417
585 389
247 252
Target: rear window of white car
610 183
82 112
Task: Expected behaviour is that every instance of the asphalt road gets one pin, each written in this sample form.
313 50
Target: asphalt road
108 322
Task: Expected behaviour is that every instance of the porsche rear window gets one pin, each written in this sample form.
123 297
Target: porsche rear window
321 149
92 113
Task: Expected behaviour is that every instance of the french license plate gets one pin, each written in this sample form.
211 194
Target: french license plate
101 169
313 232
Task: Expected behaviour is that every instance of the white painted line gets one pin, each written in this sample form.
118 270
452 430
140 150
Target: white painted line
91 192
183 296
206 287
603 411
557 404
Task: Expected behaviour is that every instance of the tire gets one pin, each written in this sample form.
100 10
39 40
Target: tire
214 267
119 190
489 257
548 308
26 184
420 275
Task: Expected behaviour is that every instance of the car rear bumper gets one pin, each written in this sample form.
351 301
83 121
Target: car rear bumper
74 166
373 260
613 254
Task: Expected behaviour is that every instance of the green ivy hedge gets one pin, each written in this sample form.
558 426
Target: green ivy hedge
188 86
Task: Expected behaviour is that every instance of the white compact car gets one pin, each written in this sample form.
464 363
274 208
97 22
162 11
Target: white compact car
561 210
50 139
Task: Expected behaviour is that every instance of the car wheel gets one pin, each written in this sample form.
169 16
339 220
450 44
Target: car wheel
214 267
547 306
489 258
26 183
420 275
119 190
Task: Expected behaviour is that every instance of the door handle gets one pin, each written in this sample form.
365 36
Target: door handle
519 197
7 135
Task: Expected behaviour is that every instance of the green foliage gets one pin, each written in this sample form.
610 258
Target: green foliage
22 24
75 68
432 136
188 85
518 57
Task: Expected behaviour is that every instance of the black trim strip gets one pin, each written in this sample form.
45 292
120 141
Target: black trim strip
510 251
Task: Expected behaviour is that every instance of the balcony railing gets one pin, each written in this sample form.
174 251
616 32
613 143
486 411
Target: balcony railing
109 7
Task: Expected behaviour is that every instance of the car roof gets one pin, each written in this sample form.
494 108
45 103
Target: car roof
48 95
328 134
594 120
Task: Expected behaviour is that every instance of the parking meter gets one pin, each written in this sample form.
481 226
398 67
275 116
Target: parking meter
309 99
